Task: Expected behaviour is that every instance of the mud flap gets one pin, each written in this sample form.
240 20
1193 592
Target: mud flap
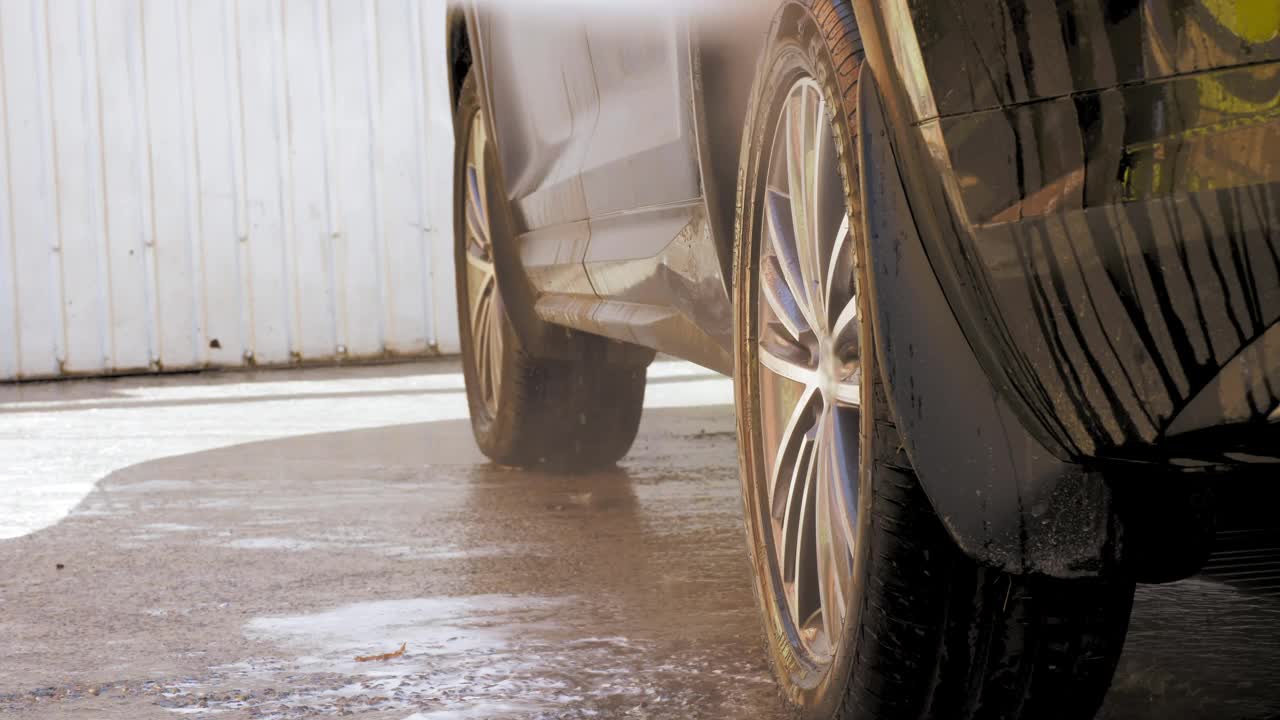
1005 499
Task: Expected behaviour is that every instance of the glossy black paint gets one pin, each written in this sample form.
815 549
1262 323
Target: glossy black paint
985 54
1106 251
1127 241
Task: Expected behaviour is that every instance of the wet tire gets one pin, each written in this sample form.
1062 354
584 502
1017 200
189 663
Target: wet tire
920 630
576 412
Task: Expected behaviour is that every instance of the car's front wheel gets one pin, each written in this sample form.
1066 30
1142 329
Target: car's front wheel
577 411
870 609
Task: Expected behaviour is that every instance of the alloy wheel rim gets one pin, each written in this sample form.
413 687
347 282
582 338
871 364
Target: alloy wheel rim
484 304
809 371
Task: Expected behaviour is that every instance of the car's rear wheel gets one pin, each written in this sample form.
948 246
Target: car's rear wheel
870 609
577 411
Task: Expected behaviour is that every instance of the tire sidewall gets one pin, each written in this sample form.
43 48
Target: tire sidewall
798 47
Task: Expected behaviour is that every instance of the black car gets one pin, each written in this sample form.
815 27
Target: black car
998 282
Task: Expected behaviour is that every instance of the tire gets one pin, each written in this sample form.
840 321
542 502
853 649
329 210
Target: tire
905 625
577 412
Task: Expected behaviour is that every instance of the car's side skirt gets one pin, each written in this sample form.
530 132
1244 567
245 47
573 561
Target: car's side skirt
652 277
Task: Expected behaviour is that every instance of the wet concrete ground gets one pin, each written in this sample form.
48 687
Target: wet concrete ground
235 541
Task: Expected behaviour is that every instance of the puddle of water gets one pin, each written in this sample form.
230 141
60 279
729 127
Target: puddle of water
151 486
479 713
276 543
172 527
43 477
1198 650
331 542
431 626
442 552
485 656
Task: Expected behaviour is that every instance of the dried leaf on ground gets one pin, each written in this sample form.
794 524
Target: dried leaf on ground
384 656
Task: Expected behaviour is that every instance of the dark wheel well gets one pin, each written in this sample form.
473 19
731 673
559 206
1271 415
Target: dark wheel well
459 55
725 55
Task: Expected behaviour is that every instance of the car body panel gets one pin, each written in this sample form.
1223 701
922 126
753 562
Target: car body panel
645 126
986 54
544 109
650 253
1106 250
578 159
1127 237
681 278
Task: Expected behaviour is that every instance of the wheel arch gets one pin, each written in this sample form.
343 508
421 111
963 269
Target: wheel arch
723 58
459 57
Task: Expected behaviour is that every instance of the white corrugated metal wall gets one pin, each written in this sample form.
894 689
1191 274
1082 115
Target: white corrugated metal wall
190 183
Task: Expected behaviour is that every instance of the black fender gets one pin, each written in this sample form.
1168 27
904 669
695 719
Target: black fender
1005 499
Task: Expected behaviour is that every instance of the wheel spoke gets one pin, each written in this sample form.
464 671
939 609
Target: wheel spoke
836 537
479 312
783 239
849 351
800 173
495 346
786 368
486 336
790 451
797 486
477 315
849 391
843 461
480 335
777 293
799 557
477 219
479 263
475 160
845 331
838 289
827 208
824 538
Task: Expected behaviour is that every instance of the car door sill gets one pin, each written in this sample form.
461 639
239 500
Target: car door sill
664 329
